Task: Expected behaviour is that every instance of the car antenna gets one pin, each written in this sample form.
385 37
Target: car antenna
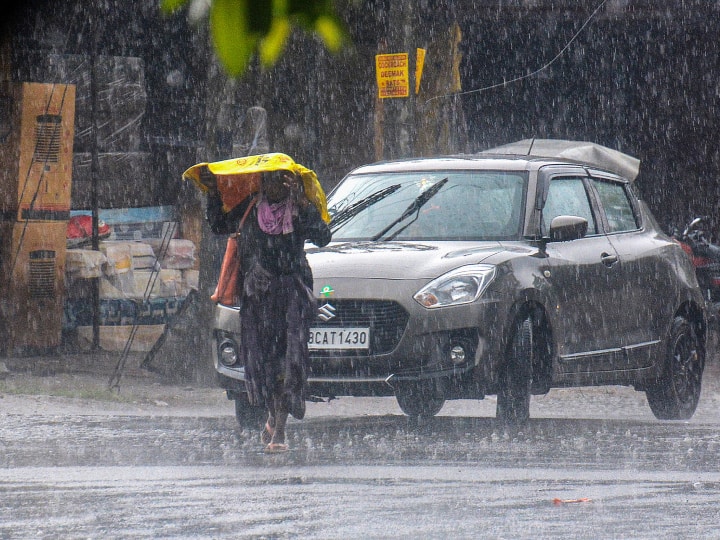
532 142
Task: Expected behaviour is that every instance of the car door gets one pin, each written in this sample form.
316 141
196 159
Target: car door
642 268
583 277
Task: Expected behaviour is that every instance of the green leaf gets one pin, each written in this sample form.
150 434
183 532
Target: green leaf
273 44
331 32
231 34
169 7
239 28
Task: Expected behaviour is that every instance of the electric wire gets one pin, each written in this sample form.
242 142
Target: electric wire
531 74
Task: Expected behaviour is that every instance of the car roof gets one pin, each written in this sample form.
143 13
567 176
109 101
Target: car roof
523 155
500 162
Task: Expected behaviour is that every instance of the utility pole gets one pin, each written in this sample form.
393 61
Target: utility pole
94 172
428 120
440 119
395 116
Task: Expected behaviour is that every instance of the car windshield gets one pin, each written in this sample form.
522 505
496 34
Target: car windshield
462 205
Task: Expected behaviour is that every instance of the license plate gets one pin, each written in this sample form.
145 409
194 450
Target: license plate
339 338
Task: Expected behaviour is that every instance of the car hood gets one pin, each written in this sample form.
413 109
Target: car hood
396 260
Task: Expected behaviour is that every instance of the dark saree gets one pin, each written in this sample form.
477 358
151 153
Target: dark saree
277 306
275 325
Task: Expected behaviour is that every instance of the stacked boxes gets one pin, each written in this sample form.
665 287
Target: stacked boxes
140 291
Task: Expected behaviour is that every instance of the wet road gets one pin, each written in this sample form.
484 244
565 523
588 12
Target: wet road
351 474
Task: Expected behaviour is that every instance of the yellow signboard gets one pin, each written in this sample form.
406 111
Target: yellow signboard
392 75
419 63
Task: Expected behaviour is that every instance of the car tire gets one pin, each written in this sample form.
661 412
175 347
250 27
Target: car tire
248 416
675 395
513 397
420 399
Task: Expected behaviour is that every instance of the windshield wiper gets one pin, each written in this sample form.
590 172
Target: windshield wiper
351 211
414 207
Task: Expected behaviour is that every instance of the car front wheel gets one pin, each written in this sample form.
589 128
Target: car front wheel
422 398
676 393
513 398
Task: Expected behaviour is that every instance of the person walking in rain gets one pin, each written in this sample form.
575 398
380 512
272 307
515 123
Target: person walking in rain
276 303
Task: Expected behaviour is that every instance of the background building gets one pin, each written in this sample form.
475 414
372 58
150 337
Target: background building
636 75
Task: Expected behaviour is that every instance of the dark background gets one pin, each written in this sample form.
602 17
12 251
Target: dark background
641 77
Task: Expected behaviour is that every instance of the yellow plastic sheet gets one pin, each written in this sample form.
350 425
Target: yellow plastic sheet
239 177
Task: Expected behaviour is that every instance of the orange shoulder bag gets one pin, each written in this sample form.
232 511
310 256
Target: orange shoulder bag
230 282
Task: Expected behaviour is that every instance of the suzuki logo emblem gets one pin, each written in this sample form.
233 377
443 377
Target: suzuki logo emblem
326 312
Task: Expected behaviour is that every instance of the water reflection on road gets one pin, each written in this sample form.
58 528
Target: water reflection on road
592 463
363 477
356 501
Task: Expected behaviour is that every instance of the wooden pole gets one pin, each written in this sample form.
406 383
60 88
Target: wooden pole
94 176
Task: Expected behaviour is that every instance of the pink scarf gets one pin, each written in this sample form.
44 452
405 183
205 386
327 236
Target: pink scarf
276 218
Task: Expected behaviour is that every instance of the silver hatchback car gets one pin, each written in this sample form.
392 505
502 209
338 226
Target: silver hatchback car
498 273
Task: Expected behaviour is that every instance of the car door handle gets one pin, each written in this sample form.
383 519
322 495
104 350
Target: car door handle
608 260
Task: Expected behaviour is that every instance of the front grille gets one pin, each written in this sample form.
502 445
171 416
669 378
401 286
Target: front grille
386 319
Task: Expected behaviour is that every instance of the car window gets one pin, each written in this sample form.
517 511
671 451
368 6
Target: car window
567 197
470 205
617 205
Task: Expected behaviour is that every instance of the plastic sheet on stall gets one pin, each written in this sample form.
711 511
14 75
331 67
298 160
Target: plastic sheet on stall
119 257
143 256
180 255
84 263
167 283
120 98
191 279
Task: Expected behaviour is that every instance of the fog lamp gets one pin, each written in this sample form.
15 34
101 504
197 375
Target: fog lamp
457 355
227 353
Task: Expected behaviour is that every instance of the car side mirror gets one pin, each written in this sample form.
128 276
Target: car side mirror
564 228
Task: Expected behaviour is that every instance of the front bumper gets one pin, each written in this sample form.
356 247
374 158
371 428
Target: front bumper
458 381
406 342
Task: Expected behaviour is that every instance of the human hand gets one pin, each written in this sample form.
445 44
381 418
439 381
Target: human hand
295 188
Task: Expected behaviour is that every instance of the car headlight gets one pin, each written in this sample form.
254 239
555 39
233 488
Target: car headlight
227 353
460 286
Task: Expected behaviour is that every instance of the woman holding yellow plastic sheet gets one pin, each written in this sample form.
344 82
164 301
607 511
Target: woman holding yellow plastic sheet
276 304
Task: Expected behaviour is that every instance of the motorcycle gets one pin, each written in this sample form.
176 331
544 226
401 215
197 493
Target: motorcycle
705 256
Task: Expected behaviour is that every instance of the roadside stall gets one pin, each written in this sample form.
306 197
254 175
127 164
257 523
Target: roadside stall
145 272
